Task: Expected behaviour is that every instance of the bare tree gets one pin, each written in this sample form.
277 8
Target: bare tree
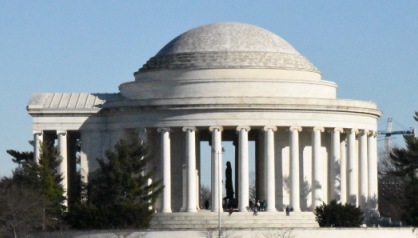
20 209
391 188
282 233
252 193
205 196
214 233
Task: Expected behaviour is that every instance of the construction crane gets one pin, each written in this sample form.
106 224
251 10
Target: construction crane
388 133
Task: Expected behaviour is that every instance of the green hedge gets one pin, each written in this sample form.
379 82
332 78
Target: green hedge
337 215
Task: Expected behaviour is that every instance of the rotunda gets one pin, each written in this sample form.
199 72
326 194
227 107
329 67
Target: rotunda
228 82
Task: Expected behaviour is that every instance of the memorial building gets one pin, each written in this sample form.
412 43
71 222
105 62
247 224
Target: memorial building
225 82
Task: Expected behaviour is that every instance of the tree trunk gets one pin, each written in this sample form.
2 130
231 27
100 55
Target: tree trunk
43 220
14 232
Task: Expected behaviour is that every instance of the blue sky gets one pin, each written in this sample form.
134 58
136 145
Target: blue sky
369 48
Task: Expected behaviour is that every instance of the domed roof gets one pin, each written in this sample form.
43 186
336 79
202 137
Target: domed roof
227 36
228 45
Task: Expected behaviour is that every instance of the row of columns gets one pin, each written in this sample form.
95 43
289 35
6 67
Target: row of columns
357 167
355 161
63 166
354 167
191 181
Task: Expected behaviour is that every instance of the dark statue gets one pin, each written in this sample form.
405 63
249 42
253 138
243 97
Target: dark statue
228 182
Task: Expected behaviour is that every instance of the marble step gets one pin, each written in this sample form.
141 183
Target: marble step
238 220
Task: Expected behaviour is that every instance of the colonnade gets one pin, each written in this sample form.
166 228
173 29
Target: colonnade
67 153
352 175
351 154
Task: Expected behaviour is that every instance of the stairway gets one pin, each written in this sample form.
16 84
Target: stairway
237 220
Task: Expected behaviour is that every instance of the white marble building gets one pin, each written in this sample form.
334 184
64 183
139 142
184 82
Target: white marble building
226 82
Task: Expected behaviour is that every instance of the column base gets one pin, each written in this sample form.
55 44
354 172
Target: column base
242 210
271 209
296 209
166 211
191 210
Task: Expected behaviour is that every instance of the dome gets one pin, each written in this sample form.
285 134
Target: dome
226 61
227 37
228 45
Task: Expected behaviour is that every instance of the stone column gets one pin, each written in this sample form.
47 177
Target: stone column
294 168
37 143
216 181
316 167
62 168
269 167
197 190
184 189
87 152
243 170
166 168
352 168
372 173
335 163
191 168
235 143
343 169
363 170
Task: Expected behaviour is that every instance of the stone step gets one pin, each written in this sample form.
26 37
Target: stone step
225 226
232 221
207 213
238 220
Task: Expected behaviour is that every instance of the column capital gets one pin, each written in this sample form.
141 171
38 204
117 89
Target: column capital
163 129
266 128
212 128
352 130
247 128
37 132
189 128
335 129
318 128
372 133
363 132
63 132
295 128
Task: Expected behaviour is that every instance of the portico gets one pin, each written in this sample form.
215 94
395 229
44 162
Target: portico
323 188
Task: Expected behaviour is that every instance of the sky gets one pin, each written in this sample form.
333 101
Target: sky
369 48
